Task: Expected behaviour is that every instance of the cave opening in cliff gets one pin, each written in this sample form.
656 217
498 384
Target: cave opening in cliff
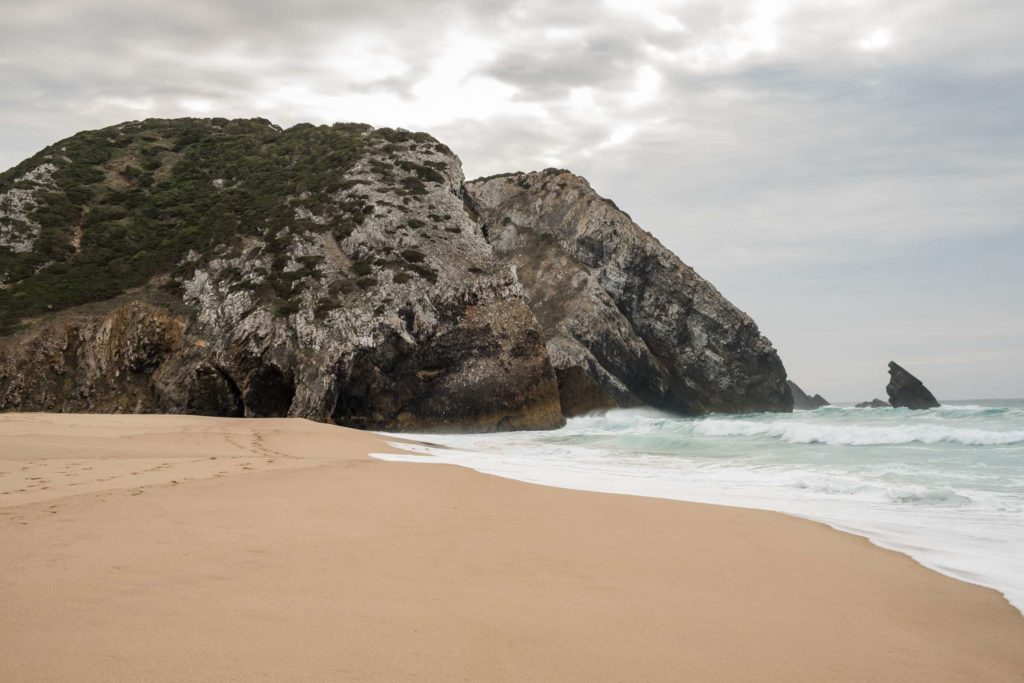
236 407
352 406
270 393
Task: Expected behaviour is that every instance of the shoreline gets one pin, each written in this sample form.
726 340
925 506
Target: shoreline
925 485
868 535
215 548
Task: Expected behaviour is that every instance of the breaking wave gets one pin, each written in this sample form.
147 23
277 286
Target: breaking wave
857 434
941 496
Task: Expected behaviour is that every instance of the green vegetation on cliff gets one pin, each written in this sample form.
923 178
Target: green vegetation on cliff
127 203
234 268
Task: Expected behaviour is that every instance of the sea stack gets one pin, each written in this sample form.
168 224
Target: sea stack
801 401
907 391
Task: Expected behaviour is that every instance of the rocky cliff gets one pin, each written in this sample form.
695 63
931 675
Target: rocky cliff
344 273
907 391
234 268
625 321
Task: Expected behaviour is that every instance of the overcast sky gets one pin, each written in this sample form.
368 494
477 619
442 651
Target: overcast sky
849 172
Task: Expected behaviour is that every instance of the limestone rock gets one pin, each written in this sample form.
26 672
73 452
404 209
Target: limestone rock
620 309
346 273
330 273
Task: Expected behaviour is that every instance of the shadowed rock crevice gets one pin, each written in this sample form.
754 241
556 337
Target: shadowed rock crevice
269 393
579 393
478 375
214 393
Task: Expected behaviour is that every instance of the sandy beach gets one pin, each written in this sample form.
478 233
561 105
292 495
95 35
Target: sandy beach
187 548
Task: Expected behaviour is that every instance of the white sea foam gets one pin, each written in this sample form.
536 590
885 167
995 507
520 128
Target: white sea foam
945 486
858 435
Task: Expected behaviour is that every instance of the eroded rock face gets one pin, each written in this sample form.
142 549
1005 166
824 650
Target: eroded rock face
625 321
91 363
801 401
373 301
907 391
345 273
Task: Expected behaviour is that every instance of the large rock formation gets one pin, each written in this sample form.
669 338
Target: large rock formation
801 401
907 391
342 273
234 268
626 322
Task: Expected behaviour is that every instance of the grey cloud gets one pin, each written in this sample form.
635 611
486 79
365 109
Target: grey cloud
807 167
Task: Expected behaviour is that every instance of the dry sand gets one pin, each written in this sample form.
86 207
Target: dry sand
184 548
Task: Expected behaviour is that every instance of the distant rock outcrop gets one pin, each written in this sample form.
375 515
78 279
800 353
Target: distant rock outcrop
873 403
625 321
801 401
907 391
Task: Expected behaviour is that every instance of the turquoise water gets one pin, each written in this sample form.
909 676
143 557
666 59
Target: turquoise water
945 486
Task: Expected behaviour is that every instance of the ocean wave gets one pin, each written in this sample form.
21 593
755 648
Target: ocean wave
856 434
945 497
946 410
942 496
632 420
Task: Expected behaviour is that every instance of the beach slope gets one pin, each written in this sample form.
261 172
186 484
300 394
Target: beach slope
187 548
